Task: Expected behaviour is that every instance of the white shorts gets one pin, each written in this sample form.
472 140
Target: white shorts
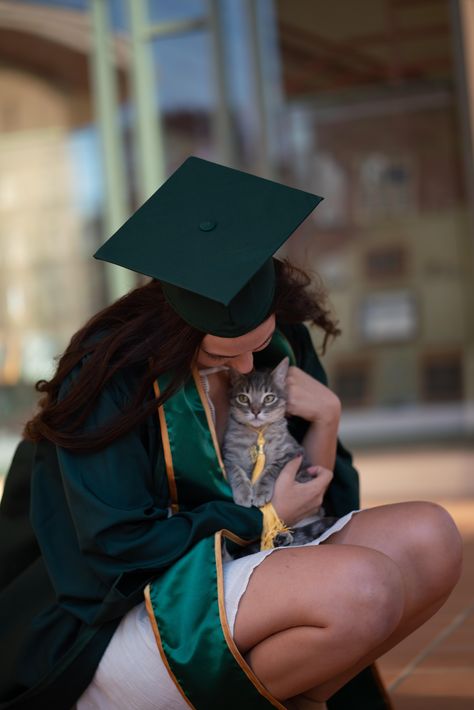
131 674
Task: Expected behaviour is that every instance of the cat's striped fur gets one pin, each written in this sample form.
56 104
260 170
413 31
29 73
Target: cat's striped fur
258 402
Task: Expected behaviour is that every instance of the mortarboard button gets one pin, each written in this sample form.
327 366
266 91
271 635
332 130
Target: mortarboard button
207 225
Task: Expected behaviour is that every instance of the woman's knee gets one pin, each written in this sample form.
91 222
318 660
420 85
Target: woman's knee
420 537
363 592
372 603
349 590
435 545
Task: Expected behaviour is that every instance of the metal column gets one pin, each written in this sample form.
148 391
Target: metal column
223 118
107 114
148 134
267 81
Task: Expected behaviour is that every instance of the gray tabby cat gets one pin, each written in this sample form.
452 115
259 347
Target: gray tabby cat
258 402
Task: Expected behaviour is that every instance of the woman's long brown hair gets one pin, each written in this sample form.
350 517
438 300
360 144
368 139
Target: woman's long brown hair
140 330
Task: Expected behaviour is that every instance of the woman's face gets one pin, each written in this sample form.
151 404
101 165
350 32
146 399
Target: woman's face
235 352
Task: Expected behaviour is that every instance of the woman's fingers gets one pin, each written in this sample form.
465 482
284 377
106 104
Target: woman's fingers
320 471
291 468
321 482
293 500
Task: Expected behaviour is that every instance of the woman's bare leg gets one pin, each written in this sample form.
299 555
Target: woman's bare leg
421 538
310 613
430 558
335 613
326 690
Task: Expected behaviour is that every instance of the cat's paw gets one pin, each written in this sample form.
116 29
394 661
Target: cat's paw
261 497
303 476
243 496
283 539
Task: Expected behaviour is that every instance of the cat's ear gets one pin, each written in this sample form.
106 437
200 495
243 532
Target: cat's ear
280 372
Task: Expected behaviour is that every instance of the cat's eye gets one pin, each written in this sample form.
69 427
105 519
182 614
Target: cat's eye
242 399
269 398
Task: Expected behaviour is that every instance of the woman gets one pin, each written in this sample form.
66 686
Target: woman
125 500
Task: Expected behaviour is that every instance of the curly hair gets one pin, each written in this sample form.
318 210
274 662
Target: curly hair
141 330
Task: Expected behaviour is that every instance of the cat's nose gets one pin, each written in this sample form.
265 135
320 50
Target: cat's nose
255 410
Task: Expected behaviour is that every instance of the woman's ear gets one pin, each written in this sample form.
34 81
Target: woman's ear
280 372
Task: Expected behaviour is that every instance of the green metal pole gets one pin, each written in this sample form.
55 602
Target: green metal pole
265 167
148 133
222 119
106 108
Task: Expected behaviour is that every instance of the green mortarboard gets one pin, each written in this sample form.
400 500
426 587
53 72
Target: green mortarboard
208 234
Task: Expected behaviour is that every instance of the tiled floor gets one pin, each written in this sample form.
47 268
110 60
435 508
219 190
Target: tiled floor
433 669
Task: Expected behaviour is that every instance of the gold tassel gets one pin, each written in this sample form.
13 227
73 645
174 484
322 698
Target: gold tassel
258 456
272 525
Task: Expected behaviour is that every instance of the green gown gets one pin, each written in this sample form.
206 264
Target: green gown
83 535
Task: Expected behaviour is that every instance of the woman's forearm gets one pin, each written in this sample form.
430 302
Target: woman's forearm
320 441
311 400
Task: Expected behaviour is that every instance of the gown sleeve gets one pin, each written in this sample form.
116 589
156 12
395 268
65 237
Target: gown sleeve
342 495
102 519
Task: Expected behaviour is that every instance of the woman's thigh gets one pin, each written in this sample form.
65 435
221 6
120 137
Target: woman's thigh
411 551
337 588
420 537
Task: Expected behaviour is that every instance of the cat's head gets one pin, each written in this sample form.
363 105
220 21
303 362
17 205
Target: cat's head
259 398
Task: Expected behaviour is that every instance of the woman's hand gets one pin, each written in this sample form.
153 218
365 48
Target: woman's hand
293 500
310 399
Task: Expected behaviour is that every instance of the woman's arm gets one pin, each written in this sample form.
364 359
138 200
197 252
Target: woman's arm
343 493
104 528
315 403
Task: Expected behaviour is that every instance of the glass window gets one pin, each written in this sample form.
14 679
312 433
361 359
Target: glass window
442 377
385 262
372 122
352 381
388 316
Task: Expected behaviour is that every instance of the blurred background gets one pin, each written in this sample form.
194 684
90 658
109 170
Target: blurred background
369 103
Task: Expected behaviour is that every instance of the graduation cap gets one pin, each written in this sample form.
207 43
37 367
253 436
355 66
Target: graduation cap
208 235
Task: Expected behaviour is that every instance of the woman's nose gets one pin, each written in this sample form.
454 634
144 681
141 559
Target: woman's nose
243 363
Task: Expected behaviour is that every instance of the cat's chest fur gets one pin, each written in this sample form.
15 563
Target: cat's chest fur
242 444
258 445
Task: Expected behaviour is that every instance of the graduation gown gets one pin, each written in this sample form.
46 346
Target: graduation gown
98 532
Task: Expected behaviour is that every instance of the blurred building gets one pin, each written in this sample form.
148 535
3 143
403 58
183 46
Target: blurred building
370 104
